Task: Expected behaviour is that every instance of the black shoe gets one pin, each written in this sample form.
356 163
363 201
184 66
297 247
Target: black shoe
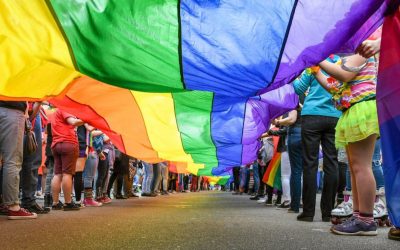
254 198
291 211
285 204
268 203
48 200
71 207
303 217
36 208
278 201
153 194
120 197
326 218
58 206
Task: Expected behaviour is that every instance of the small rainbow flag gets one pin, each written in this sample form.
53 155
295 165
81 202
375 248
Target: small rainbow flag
272 176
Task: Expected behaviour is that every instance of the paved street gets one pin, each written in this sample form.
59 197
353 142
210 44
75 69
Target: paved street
206 220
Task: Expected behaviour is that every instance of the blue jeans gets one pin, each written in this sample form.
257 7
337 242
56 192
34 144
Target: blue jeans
243 177
30 166
147 178
256 176
156 177
102 172
296 164
376 168
377 165
180 182
50 174
90 170
164 172
12 124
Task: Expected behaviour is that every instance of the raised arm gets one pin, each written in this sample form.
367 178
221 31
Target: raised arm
302 83
323 80
96 133
74 121
369 48
35 110
338 72
292 117
88 127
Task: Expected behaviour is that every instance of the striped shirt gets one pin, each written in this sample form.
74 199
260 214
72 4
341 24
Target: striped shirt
363 86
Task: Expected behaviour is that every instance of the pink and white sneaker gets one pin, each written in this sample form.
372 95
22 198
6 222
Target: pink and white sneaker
90 202
106 200
21 214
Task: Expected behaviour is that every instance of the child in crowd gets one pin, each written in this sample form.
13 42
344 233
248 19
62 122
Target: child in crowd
353 86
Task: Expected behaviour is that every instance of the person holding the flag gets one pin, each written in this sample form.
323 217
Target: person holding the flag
352 84
387 96
65 150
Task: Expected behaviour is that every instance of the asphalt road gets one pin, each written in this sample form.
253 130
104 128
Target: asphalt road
206 220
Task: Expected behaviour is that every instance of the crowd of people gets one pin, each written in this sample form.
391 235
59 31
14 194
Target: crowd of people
336 115
336 118
71 158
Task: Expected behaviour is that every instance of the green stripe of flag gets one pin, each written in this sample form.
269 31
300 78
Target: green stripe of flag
193 116
128 43
223 180
277 180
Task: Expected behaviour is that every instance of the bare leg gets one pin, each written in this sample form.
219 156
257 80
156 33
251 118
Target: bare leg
356 206
14 207
80 164
56 187
67 187
43 182
361 157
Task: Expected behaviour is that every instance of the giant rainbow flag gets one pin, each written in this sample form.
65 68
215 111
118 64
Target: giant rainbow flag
184 81
388 92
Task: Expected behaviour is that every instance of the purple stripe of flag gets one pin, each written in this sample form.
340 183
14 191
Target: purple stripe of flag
259 113
320 28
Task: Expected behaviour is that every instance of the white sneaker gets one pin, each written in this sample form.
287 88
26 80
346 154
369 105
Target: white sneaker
39 195
343 209
380 191
380 209
260 201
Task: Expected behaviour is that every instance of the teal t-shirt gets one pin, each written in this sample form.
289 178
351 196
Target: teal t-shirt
318 101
